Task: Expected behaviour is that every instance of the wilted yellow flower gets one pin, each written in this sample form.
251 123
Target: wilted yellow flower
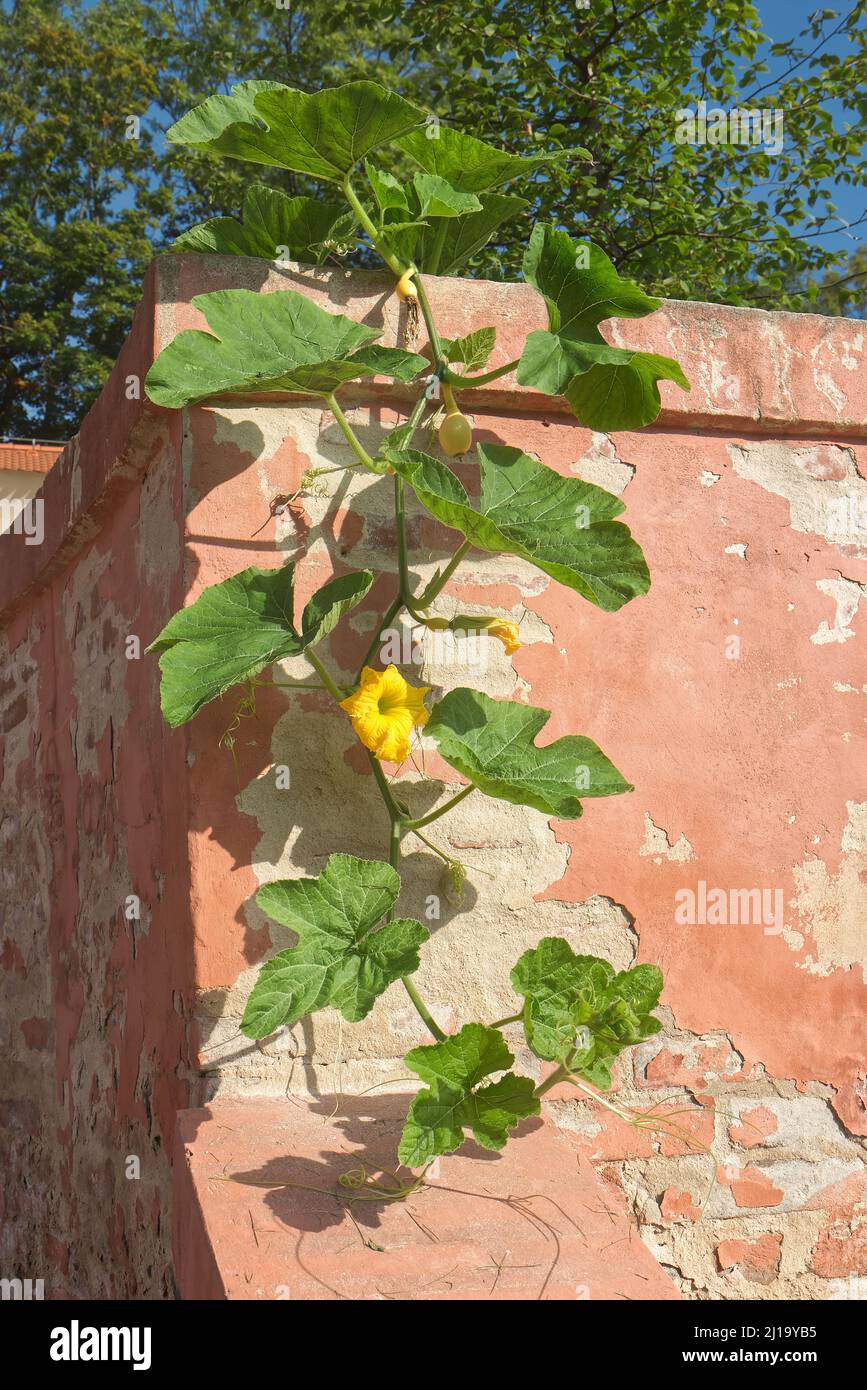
383 711
505 628
507 631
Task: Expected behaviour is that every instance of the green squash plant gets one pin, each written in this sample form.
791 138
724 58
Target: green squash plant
437 204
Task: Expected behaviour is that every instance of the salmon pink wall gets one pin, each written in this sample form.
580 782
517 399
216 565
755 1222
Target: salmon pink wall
732 696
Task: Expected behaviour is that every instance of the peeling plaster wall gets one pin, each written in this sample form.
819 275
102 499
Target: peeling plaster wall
732 696
95 933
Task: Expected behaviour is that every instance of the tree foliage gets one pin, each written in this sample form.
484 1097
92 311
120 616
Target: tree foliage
83 203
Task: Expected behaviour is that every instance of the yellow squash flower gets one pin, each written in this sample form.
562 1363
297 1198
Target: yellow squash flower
507 631
383 711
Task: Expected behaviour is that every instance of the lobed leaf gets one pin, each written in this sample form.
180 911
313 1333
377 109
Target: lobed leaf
563 526
473 350
447 253
323 133
273 226
270 342
341 960
236 628
454 1101
471 164
492 743
564 992
608 388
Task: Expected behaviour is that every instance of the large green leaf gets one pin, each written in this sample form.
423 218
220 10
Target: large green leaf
447 253
492 742
564 992
323 134
273 226
608 388
270 342
471 164
564 526
455 1102
237 628
340 961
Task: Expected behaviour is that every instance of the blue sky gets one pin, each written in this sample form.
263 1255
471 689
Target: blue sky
782 19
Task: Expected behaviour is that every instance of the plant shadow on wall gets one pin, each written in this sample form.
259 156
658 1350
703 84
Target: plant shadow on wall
351 945
364 1135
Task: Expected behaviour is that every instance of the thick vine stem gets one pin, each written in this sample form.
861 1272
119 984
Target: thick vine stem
351 437
392 261
501 1022
440 364
423 1011
455 378
435 815
330 685
561 1073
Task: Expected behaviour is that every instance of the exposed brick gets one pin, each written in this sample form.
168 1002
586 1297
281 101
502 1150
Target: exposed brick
754 1128
689 1131
690 1062
615 1138
840 1198
840 1250
677 1205
750 1187
758 1260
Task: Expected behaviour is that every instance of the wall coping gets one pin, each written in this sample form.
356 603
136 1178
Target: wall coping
753 372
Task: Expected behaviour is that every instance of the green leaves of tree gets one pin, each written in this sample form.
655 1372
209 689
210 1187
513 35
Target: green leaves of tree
340 961
564 992
237 628
274 226
492 742
608 388
270 342
454 1100
323 134
563 526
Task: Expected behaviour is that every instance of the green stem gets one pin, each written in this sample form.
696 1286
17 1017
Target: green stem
369 226
501 1022
561 1073
388 617
403 567
446 858
400 526
442 577
351 437
294 685
382 782
455 378
440 362
414 418
423 1011
338 468
435 815
331 686
433 264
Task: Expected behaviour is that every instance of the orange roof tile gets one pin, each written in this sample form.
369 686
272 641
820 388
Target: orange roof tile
29 458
